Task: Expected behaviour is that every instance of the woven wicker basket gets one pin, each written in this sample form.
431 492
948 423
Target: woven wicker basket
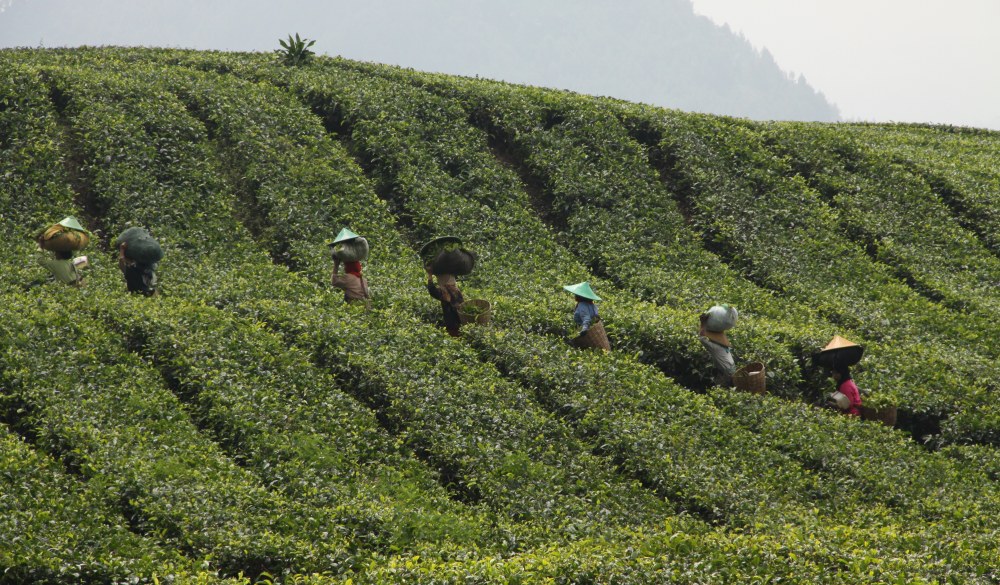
594 337
751 378
480 317
886 415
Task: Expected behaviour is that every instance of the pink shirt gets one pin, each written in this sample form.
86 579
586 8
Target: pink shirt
850 389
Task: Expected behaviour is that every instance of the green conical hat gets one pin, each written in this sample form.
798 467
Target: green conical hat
583 289
345 234
71 222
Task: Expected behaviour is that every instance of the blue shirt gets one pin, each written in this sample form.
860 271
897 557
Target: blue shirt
584 314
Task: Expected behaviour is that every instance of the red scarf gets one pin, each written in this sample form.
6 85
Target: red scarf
353 268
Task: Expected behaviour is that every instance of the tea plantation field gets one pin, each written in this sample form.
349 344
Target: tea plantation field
245 425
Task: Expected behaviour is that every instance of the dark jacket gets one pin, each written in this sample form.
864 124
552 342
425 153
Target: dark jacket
448 309
140 278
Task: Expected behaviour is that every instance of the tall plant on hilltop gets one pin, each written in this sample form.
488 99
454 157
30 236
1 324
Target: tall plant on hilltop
295 51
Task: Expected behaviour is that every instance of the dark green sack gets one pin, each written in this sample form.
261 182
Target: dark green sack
140 246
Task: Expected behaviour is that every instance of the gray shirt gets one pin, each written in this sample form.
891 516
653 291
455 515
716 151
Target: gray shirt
722 357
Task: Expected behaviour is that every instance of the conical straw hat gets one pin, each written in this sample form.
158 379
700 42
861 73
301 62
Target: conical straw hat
71 223
839 352
583 289
839 342
345 234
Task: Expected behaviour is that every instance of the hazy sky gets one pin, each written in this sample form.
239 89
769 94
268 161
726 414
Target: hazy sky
932 61
883 60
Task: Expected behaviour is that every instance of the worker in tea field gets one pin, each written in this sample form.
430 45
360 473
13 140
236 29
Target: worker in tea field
351 249
62 240
713 325
849 399
586 317
354 285
837 357
64 267
446 291
139 255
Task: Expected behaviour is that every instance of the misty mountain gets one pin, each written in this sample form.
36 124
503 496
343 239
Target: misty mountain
654 51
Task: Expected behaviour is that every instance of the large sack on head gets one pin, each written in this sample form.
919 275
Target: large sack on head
66 236
140 246
353 250
457 261
721 318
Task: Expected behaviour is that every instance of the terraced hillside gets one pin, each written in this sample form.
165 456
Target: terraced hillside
246 425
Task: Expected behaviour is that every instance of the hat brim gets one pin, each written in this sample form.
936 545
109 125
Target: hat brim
839 342
582 292
839 357
344 235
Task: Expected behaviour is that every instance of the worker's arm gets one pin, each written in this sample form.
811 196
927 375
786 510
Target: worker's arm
583 317
122 259
334 279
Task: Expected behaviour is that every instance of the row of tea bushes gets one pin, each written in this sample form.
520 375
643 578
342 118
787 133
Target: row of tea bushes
58 525
443 411
410 152
298 327
339 520
515 344
400 373
57 529
679 444
618 218
31 191
443 176
895 212
933 360
110 418
959 164
292 426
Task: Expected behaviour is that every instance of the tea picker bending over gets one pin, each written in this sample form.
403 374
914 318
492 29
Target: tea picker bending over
62 240
712 334
446 258
446 290
837 357
585 311
139 255
591 334
351 249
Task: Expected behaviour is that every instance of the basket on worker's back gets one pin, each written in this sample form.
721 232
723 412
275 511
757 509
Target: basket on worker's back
886 414
595 337
751 378
476 311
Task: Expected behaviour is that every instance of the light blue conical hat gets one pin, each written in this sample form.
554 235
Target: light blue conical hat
583 289
345 234
71 222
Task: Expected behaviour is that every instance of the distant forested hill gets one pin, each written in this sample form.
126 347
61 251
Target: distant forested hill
654 51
